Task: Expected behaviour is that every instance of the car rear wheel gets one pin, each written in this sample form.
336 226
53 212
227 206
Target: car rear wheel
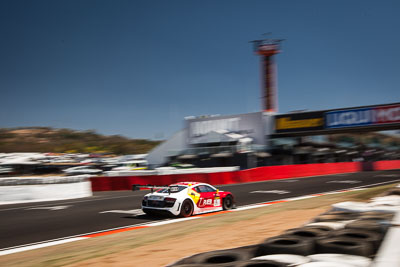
186 209
227 203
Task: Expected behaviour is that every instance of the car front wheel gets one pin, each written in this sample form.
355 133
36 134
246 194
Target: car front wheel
228 203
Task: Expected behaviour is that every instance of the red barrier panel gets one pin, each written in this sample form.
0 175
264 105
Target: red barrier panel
266 173
100 183
296 171
387 165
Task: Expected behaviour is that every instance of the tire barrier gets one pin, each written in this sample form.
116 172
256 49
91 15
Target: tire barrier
348 235
202 265
393 192
260 263
369 225
360 235
333 218
385 217
321 228
325 264
374 213
286 245
290 259
249 263
392 200
327 225
344 246
225 256
351 206
306 232
351 215
356 261
364 207
215 257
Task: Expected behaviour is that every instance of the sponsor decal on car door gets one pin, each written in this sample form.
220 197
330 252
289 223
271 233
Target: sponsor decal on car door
195 196
209 197
206 200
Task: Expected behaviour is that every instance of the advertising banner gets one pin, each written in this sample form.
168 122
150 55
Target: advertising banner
388 114
249 124
362 116
299 122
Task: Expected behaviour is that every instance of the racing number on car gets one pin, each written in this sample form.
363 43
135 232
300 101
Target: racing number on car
209 202
203 202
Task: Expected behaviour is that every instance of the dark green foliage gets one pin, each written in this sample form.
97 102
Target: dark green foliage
45 139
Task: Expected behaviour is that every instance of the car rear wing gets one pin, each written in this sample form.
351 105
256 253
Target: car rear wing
137 187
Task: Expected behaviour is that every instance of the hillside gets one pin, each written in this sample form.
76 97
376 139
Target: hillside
46 139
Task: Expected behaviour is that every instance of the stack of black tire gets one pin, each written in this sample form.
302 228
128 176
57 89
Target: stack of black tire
334 238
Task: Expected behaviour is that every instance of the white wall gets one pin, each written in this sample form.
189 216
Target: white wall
10 194
159 154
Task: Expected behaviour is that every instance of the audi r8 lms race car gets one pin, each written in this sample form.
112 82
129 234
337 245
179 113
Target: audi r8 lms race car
185 199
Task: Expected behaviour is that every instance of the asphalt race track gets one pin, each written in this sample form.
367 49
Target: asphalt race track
22 224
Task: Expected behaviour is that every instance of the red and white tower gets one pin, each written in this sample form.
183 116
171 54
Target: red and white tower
267 48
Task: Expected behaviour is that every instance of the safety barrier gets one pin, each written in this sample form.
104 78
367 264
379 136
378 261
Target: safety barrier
18 189
386 165
24 190
106 183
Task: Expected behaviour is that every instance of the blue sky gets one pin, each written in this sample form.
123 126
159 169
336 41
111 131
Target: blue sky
137 68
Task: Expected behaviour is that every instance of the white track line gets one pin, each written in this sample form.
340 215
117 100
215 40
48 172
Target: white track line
93 198
48 244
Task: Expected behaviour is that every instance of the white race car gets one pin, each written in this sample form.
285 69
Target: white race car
185 199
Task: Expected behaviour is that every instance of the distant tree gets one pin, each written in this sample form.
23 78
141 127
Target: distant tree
67 140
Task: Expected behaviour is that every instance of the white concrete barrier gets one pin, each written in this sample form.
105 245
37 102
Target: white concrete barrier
389 252
171 170
24 190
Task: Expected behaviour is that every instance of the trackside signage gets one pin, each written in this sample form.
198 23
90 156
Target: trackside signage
362 116
199 128
248 125
298 122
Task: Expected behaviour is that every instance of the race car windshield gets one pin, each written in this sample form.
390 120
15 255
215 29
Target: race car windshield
173 189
